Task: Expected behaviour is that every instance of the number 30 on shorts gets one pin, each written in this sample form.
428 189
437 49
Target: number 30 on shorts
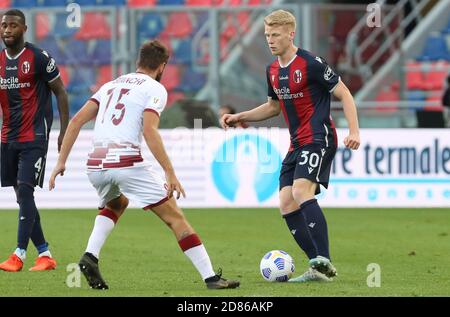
312 159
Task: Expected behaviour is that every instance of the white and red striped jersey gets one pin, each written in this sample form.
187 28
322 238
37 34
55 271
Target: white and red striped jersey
118 126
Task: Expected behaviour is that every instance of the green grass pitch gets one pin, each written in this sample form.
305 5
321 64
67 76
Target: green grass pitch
142 258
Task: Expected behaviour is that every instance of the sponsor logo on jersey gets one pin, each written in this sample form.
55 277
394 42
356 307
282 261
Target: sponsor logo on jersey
285 93
12 83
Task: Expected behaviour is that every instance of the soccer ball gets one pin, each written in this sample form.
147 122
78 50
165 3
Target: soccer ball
277 266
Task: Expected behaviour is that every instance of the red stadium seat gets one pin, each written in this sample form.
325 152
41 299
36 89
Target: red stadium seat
64 73
258 2
434 98
243 18
104 75
42 25
95 26
387 95
167 42
234 3
141 3
179 25
206 3
435 78
415 80
171 77
344 22
174 96
414 77
5 3
395 85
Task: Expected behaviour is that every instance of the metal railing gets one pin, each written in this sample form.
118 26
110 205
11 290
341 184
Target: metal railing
355 62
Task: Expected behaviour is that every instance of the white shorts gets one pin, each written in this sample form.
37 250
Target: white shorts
141 185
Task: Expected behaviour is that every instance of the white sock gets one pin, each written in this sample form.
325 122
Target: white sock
102 228
200 258
21 253
46 253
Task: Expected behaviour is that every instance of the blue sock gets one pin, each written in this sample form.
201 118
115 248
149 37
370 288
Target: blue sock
297 225
27 214
317 225
37 235
42 248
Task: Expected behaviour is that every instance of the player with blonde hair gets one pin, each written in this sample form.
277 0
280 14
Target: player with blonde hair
300 85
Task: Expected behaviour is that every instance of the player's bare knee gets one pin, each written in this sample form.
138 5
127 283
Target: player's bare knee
118 205
303 190
287 205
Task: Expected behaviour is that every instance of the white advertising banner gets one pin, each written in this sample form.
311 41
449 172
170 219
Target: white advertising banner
240 168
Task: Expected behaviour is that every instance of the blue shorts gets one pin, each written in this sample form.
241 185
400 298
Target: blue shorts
23 162
312 161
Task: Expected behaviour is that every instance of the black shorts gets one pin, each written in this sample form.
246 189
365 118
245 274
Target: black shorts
312 161
23 162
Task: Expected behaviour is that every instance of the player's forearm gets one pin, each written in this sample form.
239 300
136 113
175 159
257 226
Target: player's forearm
69 139
63 108
156 146
263 112
350 113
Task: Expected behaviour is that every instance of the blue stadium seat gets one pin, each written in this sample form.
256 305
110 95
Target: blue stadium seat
54 3
82 80
150 25
447 28
435 49
50 45
85 2
114 2
182 52
76 53
102 53
76 101
61 29
416 95
23 3
170 2
191 81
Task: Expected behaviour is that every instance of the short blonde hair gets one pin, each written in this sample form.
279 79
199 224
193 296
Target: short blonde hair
280 17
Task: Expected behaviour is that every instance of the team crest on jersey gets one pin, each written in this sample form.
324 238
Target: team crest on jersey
297 76
26 67
328 74
51 66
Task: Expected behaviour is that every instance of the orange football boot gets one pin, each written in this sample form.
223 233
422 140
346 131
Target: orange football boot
44 263
13 264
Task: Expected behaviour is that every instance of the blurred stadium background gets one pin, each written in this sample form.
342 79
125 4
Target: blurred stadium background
397 73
